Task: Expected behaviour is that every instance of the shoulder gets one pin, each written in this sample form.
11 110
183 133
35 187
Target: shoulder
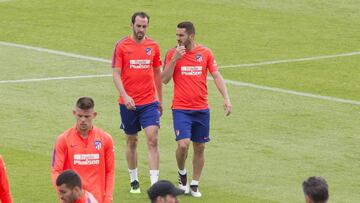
151 42
65 135
170 51
122 41
204 49
104 135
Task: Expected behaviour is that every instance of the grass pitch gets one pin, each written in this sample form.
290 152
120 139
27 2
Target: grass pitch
261 153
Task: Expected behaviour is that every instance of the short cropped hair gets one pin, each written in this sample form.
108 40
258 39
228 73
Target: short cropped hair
189 27
70 178
85 103
141 14
316 188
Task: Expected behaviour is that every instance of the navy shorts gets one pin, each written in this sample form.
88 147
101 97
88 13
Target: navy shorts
143 116
193 124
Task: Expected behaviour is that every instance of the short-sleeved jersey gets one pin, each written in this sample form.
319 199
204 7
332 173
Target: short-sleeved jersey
91 158
5 195
137 62
86 198
190 72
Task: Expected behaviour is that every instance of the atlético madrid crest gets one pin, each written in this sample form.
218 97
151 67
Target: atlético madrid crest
148 51
98 144
198 57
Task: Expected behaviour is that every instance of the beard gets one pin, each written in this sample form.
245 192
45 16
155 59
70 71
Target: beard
139 35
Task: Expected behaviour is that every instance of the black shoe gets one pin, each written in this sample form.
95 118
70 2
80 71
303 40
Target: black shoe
183 183
135 187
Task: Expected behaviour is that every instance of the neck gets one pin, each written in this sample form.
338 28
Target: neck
84 133
136 39
191 46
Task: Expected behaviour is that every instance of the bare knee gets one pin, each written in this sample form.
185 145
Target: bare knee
183 145
199 148
152 142
132 141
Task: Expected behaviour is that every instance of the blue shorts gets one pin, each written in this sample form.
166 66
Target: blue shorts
143 116
193 124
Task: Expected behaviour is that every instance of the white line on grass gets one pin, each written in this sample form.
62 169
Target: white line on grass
290 60
78 56
225 66
54 78
237 83
274 89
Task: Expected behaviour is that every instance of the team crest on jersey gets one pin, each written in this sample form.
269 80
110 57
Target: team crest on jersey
198 57
98 144
148 51
177 132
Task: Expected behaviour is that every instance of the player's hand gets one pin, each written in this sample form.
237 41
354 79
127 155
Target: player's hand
160 109
227 107
179 52
129 102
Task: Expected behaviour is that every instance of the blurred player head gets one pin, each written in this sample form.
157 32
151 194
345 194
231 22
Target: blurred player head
185 33
84 113
315 190
139 23
164 191
69 186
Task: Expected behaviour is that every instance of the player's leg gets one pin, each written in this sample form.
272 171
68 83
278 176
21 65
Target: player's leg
200 135
150 121
198 165
131 125
182 128
153 156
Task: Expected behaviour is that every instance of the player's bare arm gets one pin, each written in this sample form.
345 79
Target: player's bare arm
220 84
128 101
158 86
169 67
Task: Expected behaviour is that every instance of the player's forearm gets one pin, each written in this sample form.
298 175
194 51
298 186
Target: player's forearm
118 83
220 84
109 187
158 84
168 71
109 172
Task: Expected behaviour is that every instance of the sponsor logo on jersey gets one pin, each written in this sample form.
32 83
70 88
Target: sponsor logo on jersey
97 144
86 159
191 70
198 58
140 64
148 51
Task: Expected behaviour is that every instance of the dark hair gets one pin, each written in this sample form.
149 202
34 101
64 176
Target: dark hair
85 103
70 178
141 14
189 27
163 188
316 189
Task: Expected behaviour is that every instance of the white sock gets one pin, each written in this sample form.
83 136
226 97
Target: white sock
194 182
182 172
154 176
133 175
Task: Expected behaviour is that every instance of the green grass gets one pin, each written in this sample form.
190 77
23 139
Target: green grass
261 153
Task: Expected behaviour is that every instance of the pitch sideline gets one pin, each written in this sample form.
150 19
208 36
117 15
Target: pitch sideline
237 83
